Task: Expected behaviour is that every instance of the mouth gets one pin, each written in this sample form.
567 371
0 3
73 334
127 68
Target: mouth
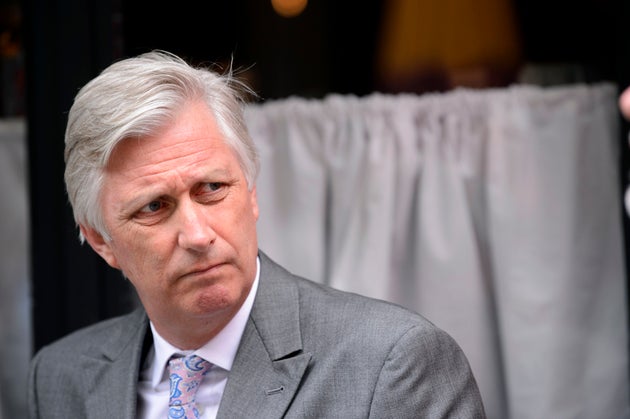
203 270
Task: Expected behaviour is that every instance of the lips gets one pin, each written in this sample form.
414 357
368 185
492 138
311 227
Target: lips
200 270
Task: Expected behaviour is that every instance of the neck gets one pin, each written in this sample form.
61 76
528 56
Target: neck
192 334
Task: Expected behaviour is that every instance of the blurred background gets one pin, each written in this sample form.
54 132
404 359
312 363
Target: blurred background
50 285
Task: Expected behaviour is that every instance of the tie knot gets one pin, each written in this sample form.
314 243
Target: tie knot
191 365
185 375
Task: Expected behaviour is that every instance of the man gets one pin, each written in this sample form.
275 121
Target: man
160 172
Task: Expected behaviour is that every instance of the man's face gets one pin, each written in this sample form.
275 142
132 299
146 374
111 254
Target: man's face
182 222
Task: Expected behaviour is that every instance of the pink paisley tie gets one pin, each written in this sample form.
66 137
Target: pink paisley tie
185 374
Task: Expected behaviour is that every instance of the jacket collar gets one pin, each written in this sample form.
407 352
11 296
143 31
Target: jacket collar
111 378
269 364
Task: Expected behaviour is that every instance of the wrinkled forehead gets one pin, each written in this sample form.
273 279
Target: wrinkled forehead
192 126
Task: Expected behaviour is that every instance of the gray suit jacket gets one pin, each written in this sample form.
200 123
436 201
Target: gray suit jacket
308 351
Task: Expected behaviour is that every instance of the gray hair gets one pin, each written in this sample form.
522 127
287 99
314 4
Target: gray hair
133 98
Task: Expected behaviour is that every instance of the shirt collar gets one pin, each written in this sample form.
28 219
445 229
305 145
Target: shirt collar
220 350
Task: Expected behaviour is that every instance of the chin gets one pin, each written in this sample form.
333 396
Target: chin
215 299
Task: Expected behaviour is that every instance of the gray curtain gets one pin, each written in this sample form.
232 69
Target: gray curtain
495 213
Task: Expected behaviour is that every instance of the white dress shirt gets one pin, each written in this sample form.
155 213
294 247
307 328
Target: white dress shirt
153 385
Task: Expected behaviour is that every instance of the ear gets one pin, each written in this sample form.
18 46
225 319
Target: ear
624 103
100 245
254 202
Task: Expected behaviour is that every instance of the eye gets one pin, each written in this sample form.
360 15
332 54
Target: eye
211 192
214 186
154 211
152 207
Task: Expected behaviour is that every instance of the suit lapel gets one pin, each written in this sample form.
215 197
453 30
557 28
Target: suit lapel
269 364
112 372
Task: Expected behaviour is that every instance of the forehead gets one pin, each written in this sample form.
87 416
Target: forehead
190 138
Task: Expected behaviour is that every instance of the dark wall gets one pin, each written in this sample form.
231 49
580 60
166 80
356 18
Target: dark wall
584 32
66 44
327 48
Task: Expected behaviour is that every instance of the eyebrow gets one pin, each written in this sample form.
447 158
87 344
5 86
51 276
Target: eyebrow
149 194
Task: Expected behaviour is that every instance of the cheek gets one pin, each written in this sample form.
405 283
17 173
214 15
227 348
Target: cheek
237 220
139 257
246 223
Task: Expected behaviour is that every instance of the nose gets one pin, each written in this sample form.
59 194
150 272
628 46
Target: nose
195 232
